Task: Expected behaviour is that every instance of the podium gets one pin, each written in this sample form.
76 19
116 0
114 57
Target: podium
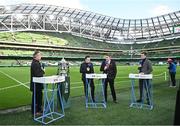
51 110
89 102
147 90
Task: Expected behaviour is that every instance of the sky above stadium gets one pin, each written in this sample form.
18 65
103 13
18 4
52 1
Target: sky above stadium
128 9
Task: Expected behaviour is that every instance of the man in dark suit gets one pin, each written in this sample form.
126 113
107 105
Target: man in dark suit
144 68
36 71
87 68
108 66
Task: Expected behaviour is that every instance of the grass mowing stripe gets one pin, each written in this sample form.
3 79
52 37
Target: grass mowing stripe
75 87
15 79
6 81
5 88
23 74
114 114
156 77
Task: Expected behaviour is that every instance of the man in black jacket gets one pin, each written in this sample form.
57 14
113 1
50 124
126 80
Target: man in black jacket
87 67
36 71
108 66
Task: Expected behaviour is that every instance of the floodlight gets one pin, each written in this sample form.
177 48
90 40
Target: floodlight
120 38
64 19
35 16
93 23
19 16
72 19
51 17
83 21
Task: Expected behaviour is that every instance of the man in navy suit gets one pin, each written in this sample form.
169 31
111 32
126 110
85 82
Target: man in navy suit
87 68
108 67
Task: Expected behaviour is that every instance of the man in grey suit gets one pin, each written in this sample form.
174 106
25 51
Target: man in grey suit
145 67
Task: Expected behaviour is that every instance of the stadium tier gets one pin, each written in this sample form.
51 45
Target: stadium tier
76 33
67 45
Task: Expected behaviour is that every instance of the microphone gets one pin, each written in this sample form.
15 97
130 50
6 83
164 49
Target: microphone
106 65
43 66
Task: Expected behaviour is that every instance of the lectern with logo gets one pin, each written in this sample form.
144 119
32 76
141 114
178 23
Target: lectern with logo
146 92
52 111
99 95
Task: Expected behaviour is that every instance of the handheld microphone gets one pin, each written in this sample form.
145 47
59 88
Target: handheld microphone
43 65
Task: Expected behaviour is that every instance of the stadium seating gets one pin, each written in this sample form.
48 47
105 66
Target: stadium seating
83 46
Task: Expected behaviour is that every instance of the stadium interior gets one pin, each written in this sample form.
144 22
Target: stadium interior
62 32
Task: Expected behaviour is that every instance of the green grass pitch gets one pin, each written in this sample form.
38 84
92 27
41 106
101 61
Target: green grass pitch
14 83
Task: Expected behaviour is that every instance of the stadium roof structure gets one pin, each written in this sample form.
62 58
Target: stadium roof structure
50 18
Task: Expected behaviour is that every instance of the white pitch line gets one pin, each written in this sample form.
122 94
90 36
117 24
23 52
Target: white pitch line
125 78
155 76
10 87
24 84
77 87
99 84
77 82
15 79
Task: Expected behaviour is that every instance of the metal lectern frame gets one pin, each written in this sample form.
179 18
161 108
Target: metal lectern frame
90 103
147 90
49 110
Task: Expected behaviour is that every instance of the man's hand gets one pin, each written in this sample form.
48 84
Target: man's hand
141 73
105 67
